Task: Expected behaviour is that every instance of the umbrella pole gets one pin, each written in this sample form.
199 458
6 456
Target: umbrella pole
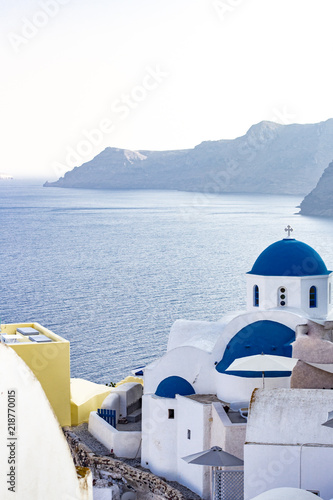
213 483
263 380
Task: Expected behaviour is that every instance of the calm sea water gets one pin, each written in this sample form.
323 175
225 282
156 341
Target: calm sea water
112 270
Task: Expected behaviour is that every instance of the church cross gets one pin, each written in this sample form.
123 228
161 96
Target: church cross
289 229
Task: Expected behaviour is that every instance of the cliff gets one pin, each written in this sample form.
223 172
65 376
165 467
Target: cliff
320 200
269 158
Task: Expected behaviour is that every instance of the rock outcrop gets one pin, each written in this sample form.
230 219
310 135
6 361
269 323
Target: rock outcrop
269 158
320 200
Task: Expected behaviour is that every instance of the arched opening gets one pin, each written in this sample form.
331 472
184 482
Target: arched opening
170 386
256 296
313 297
268 337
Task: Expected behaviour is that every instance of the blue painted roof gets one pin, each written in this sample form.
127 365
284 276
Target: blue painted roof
289 257
171 386
269 337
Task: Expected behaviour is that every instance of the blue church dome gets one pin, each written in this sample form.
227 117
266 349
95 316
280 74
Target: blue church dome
170 386
289 257
266 336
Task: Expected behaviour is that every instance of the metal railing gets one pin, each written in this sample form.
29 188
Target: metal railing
229 484
108 415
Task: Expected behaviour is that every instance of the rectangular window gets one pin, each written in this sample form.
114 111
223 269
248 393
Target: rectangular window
313 297
171 413
188 434
256 296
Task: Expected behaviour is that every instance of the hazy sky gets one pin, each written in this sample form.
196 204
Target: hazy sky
80 75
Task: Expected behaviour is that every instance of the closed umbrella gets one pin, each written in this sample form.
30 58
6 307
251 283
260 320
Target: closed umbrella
263 363
215 457
329 421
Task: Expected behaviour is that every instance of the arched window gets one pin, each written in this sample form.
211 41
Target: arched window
282 296
313 297
256 296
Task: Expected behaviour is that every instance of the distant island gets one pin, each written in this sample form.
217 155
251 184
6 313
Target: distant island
269 158
320 200
4 177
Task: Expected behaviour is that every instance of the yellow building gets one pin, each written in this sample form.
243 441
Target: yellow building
47 355
86 396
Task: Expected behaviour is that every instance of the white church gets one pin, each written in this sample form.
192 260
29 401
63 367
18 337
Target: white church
191 402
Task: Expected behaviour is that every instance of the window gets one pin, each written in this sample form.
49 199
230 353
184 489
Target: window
329 293
313 297
171 413
256 296
188 434
282 296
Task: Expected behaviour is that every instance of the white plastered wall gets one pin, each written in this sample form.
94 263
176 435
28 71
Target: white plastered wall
284 436
322 285
129 393
165 441
124 444
230 437
277 466
196 427
297 293
159 436
269 291
192 364
230 388
194 417
283 316
42 459
199 368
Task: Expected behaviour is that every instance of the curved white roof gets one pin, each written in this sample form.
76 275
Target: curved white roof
200 334
286 494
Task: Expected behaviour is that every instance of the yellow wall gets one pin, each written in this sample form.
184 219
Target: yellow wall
130 378
50 363
86 397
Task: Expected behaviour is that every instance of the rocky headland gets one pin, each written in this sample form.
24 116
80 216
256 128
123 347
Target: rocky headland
269 158
320 200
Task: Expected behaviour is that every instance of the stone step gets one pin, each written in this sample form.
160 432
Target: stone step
135 416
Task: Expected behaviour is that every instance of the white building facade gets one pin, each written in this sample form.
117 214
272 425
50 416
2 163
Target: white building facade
286 443
288 285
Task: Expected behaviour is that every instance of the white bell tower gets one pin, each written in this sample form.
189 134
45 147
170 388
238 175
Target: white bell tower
290 275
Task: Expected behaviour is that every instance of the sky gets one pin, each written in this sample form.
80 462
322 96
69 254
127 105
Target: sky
81 75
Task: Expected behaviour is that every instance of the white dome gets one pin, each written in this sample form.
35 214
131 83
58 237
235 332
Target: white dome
286 494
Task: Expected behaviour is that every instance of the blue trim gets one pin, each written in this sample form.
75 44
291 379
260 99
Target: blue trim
108 415
171 386
289 257
265 336
313 297
256 296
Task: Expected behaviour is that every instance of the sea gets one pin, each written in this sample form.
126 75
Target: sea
111 271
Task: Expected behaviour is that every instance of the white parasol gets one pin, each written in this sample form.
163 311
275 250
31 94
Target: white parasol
263 363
